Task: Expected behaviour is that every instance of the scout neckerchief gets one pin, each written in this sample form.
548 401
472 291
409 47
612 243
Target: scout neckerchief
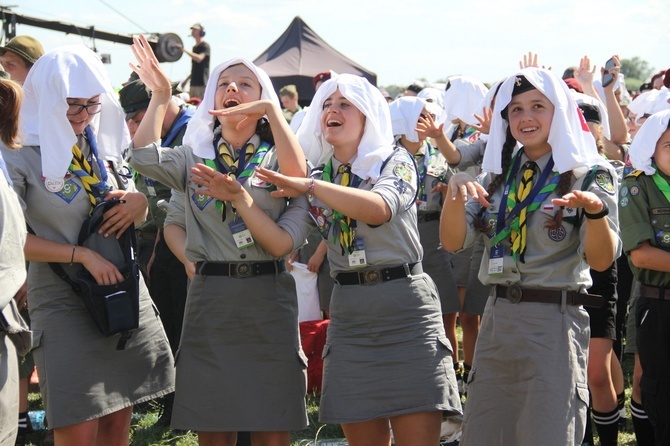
344 228
533 198
224 163
423 167
661 183
185 115
460 133
95 187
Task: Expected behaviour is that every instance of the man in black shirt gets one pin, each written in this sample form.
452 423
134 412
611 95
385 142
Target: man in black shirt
199 62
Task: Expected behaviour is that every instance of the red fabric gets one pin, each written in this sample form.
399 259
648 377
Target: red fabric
313 339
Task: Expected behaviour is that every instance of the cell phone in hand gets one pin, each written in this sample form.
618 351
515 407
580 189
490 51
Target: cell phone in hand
608 77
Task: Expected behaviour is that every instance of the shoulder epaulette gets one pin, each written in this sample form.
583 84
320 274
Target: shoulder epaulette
634 174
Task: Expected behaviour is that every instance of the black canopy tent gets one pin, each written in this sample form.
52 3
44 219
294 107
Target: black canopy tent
299 54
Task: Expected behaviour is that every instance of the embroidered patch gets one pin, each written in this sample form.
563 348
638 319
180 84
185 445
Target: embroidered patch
569 212
69 191
201 200
663 239
400 185
624 191
634 190
489 222
604 181
403 171
557 234
624 202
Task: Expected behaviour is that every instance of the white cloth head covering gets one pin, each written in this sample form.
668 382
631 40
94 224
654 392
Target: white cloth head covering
662 101
405 112
71 71
643 103
570 139
644 145
200 130
435 96
377 142
581 98
463 97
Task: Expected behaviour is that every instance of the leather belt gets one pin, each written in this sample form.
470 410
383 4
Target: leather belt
424 217
515 293
655 292
239 270
375 276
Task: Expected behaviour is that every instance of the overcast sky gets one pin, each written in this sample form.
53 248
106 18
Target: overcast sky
399 40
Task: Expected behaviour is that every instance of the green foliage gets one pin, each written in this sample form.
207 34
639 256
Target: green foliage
635 68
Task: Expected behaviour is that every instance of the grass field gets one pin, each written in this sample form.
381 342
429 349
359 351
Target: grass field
143 433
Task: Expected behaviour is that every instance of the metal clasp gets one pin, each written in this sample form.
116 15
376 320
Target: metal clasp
514 293
243 270
372 277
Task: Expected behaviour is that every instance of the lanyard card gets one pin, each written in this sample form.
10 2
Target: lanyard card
423 202
241 234
357 258
496 259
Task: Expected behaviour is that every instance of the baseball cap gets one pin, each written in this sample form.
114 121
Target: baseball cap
197 26
135 97
25 46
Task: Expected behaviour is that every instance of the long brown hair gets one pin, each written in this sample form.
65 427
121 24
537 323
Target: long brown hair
11 96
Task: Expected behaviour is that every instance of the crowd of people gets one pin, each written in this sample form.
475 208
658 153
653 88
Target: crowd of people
534 213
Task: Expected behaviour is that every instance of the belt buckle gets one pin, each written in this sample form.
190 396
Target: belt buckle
372 277
243 270
514 293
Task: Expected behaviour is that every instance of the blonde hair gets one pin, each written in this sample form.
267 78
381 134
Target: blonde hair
11 96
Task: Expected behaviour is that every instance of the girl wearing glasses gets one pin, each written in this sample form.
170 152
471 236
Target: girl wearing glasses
74 129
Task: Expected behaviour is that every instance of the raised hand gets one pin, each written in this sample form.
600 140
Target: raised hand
463 185
580 199
426 127
286 186
484 119
216 184
252 111
530 60
148 68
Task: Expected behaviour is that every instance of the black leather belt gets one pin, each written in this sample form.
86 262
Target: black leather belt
239 269
424 217
515 294
375 276
655 292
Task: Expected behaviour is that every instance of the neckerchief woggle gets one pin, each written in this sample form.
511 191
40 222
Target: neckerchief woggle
508 200
338 217
246 168
661 183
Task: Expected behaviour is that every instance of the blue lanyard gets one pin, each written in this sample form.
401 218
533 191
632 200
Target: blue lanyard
93 143
183 117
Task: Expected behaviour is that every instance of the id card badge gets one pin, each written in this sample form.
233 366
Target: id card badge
496 259
423 204
149 183
241 234
357 258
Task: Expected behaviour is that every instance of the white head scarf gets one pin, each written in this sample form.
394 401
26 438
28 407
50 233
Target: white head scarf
581 98
435 96
463 97
71 71
377 141
200 130
644 145
405 112
570 139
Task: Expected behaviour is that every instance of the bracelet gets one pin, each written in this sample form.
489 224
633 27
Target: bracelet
161 90
605 210
74 247
310 189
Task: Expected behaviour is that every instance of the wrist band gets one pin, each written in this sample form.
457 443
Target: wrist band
74 247
599 215
310 189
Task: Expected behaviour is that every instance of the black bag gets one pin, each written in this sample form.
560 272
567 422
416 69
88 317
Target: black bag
114 308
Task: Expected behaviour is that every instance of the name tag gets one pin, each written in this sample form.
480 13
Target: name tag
496 259
241 234
357 258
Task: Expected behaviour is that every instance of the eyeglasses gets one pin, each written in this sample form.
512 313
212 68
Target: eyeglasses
91 109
